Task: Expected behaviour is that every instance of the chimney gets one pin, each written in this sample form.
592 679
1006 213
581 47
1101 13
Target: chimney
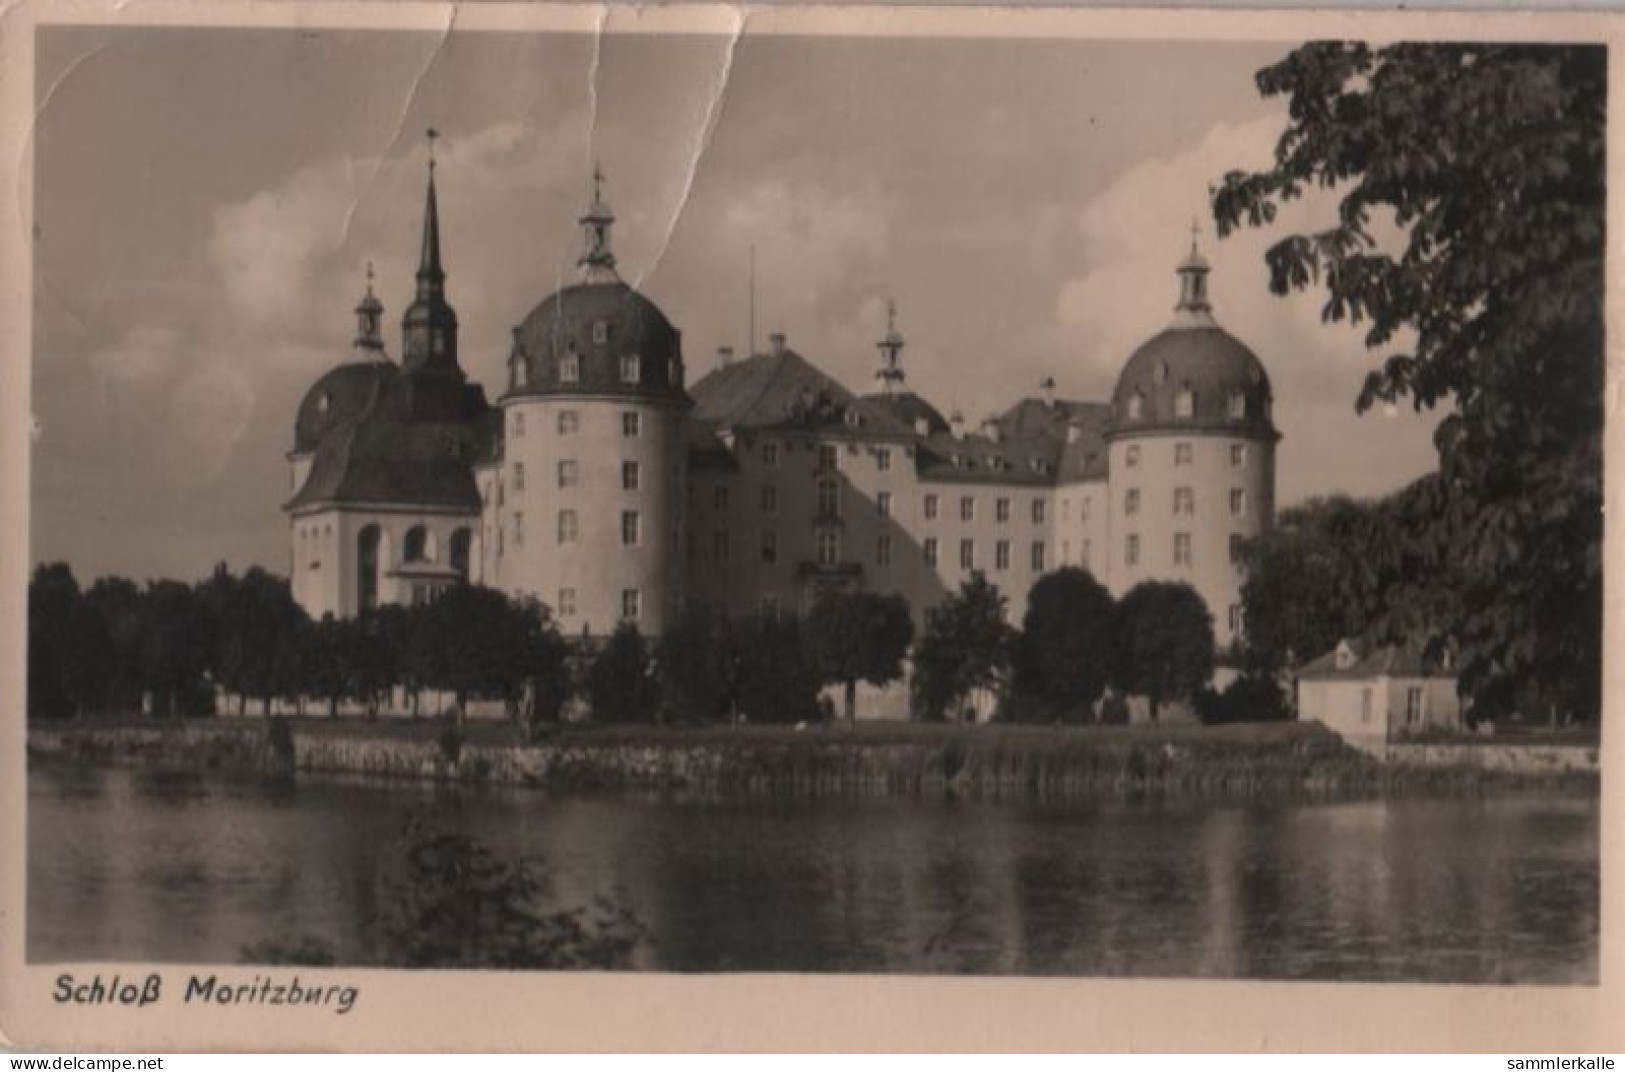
725 356
1048 388
775 344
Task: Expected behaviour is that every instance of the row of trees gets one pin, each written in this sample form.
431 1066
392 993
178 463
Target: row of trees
107 648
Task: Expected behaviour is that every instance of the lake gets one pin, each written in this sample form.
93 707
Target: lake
133 865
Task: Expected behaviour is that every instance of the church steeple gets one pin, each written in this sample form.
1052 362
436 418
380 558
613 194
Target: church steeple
598 261
890 373
429 328
1194 309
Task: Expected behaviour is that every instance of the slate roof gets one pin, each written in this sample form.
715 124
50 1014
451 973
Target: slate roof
1212 364
785 391
1390 660
412 442
1030 447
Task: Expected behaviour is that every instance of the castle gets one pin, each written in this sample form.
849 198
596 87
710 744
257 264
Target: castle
604 484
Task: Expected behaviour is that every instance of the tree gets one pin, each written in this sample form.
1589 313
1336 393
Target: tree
964 648
1487 160
859 636
776 679
1164 642
115 602
249 616
173 646
53 601
695 664
620 681
476 642
1063 656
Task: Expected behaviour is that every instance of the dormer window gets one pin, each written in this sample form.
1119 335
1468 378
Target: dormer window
1238 405
570 368
631 368
1185 403
600 332
324 403
1346 655
1136 406
521 373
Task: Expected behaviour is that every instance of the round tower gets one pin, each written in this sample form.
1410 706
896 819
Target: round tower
1191 457
589 496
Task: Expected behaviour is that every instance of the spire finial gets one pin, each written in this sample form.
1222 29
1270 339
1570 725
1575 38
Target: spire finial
369 277
598 260
1196 230
369 315
431 134
890 374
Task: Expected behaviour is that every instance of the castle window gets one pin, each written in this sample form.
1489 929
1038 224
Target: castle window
631 424
1131 502
770 499
930 549
415 548
1001 510
1084 554
883 459
569 422
1238 404
1001 555
1039 511
930 507
631 368
770 546
631 475
630 528
1184 501
883 503
518 425
829 547
1185 403
829 498
1083 509
719 497
1038 556
461 541
567 602
518 529
883 550
1131 549
600 332
569 473
1182 548
1238 545
367 541
631 604
1238 454
1136 406
1238 502
570 368
967 508
519 476
1066 509
770 454
1182 453
568 527
1131 455
829 457
967 554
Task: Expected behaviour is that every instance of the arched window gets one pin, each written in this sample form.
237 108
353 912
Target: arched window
367 568
460 542
415 548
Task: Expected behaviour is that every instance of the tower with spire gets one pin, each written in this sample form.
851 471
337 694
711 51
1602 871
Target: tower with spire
597 261
429 327
1193 308
890 373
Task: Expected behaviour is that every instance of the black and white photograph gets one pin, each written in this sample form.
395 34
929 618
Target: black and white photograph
636 496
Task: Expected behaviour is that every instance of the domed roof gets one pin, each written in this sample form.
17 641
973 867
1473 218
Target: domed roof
341 396
598 324
1192 377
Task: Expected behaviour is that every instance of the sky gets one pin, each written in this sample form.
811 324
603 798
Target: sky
207 201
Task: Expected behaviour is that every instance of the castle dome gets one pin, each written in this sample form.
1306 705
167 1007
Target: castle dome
338 398
1193 375
597 338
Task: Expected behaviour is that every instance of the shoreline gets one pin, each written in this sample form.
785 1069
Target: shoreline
902 759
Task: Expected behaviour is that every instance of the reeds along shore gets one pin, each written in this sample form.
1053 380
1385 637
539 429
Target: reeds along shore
992 761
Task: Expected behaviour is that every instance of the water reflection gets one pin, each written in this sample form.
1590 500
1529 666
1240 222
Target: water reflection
134 866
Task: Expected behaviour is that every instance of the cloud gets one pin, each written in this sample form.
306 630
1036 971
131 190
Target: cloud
145 354
213 405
